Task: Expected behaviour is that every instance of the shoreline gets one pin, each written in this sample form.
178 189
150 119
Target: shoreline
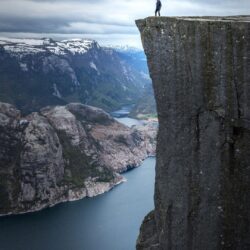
91 189
64 200
83 191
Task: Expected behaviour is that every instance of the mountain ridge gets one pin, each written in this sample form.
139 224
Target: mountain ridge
46 72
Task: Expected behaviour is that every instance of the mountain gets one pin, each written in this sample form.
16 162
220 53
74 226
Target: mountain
145 105
64 153
134 57
38 72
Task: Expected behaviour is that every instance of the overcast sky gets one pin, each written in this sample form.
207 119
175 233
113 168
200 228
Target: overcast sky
107 21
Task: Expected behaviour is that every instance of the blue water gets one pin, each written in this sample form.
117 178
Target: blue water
107 222
129 121
123 112
121 115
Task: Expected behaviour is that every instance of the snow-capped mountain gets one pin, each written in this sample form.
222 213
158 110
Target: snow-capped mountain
124 48
40 72
21 46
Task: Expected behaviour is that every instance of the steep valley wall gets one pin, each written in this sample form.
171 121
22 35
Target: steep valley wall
200 69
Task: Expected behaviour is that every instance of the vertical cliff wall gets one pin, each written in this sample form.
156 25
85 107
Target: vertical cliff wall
200 69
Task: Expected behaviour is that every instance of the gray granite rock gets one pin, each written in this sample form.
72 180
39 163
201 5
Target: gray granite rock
200 70
64 153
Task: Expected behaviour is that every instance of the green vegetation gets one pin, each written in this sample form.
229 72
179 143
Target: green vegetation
4 194
79 165
145 107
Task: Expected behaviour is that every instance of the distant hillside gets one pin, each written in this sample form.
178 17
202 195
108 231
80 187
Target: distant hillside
135 58
38 72
64 153
145 105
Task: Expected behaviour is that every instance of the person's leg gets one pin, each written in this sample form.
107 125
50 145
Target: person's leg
159 13
155 12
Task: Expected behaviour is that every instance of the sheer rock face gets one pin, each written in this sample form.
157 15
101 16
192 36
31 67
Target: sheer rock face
64 153
200 71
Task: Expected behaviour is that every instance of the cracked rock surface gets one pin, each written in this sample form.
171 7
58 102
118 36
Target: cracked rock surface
200 71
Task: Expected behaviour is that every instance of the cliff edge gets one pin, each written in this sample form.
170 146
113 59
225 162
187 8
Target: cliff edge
200 70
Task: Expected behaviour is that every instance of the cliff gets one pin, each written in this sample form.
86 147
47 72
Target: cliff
200 70
64 153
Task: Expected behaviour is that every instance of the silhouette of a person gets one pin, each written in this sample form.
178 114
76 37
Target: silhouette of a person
158 8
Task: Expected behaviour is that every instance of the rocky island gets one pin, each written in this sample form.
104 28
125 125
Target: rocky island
200 70
64 153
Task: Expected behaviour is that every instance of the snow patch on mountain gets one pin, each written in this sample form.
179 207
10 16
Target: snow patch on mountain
77 46
93 66
124 87
56 91
33 46
22 49
23 67
56 50
124 48
127 72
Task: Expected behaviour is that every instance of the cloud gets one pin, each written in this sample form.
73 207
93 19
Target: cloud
100 18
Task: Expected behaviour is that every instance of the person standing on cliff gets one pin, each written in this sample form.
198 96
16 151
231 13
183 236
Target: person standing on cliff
158 8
